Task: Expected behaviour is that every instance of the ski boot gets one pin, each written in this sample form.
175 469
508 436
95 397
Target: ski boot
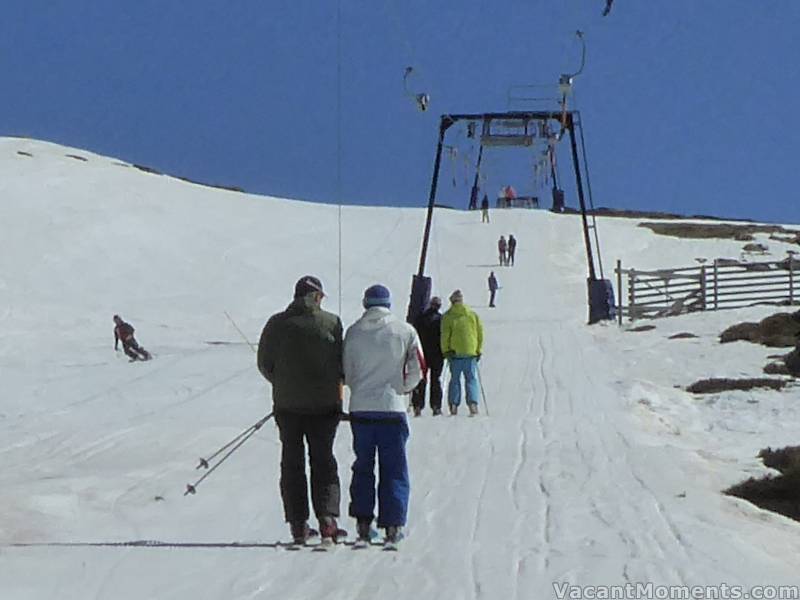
392 538
365 533
453 409
473 408
301 533
329 532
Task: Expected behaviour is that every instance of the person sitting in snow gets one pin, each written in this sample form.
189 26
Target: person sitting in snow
123 332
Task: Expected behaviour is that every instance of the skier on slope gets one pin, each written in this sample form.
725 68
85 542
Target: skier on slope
429 328
300 353
383 362
502 249
123 332
462 342
493 287
512 250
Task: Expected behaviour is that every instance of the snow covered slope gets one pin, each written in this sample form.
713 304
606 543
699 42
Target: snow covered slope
592 467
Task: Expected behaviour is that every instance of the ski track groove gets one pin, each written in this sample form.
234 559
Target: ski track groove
474 563
522 444
544 435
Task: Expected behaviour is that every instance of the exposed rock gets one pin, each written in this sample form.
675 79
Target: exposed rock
716 385
777 331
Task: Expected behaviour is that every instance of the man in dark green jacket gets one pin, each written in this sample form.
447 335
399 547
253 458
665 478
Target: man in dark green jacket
300 354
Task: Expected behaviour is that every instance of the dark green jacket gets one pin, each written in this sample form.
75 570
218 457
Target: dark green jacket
300 353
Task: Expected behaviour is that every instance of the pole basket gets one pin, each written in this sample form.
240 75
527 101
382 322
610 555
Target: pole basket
420 296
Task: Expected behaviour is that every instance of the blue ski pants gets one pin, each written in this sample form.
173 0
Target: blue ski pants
468 367
388 436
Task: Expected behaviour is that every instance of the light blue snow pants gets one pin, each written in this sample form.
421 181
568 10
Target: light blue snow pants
468 366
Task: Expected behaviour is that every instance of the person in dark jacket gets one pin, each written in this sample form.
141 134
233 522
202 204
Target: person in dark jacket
429 328
485 209
512 249
123 332
502 250
300 354
492 288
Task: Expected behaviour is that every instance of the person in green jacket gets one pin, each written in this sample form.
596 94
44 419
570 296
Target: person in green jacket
462 343
300 354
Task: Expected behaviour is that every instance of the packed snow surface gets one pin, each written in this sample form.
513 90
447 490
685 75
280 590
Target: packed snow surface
589 465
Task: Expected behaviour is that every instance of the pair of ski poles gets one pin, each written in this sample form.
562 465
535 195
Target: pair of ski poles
231 447
235 443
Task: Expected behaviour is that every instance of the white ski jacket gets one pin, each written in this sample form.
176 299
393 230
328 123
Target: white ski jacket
383 361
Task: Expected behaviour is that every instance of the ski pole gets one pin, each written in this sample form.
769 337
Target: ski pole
236 443
483 392
241 333
256 426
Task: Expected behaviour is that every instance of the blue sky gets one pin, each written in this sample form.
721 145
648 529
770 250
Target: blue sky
688 105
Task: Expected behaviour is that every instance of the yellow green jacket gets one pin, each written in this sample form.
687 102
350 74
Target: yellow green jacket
462 331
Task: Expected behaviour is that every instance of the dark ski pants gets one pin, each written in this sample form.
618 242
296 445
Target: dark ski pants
388 436
133 350
510 258
418 397
319 432
491 297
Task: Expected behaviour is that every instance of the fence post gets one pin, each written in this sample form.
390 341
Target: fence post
716 295
619 292
703 287
632 295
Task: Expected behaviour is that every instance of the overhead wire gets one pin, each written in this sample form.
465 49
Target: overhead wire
339 135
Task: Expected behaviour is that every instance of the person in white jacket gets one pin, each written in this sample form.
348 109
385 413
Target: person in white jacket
383 363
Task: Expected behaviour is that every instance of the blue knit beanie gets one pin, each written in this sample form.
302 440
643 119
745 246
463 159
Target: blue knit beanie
377 295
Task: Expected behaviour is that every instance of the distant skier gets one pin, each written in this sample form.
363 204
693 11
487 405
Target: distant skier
502 248
462 342
429 328
300 353
512 249
123 332
485 209
509 195
383 362
492 288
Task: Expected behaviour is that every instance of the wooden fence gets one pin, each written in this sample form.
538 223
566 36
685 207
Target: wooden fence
718 285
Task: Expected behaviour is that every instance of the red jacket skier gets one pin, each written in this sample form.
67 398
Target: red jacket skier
123 332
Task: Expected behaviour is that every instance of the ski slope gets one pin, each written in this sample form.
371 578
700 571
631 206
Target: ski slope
591 468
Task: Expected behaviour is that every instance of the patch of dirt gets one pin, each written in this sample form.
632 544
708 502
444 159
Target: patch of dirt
779 494
23 153
776 368
775 331
76 157
725 231
682 336
147 169
230 188
642 328
755 248
716 385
